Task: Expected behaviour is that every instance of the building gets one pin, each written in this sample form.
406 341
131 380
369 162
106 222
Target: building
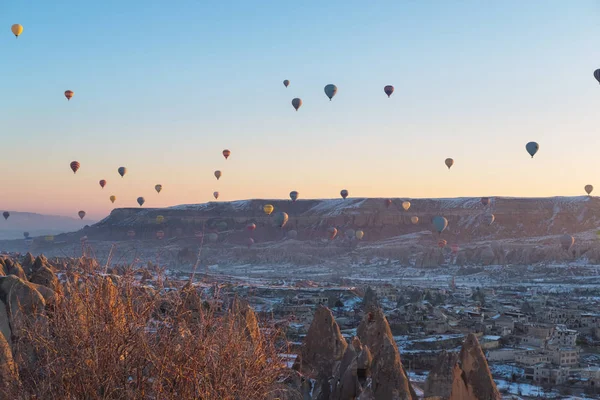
546 373
563 337
565 356
532 357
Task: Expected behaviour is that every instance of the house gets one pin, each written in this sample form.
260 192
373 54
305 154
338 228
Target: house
532 357
565 357
546 373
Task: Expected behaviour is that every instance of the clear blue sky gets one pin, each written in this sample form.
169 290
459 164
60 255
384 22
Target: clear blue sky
162 87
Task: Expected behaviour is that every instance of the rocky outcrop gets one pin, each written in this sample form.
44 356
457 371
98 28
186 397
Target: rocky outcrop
472 379
388 380
14 268
439 380
45 277
8 369
370 299
323 346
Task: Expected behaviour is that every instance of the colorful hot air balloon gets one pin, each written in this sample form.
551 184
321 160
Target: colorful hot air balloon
102 183
332 231
330 90
388 203
26 234
414 220
75 166
268 209
597 75
16 29
249 242
344 194
122 171
218 174
359 235
226 153
485 201
131 233
293 234
112 198
489 219
389 89
286 83
567 241
589 189
442 243
160 219
160 235
449 162
406 205
158 188
440 223
141 201
216 195
532 148
6 214
294 196
297 103
69 94
81 214
280 219
251 227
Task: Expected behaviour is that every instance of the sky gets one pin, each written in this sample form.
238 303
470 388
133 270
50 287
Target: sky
163 87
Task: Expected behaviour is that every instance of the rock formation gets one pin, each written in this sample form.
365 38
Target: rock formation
439 380
45 277
370 299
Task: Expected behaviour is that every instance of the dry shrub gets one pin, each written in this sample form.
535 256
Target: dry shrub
109 338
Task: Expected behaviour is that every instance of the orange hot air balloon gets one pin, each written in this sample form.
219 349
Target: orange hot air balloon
442 243
16 29
69 94
332 232
226 153
218 174
389 89
102 183
414 220
113 198
75 166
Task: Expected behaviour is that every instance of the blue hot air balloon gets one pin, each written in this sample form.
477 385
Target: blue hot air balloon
532 148
330 90
440 223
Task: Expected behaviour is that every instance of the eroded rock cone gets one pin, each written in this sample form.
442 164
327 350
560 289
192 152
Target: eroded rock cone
345 383
472 379
323 346
9 374
439 380
14 268
40 261
45 277
370 299
388 380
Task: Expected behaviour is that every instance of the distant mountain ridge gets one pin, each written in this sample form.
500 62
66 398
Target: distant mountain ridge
38 225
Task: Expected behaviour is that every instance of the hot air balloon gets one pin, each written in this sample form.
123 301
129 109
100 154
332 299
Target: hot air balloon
141 201
350 233
532 148
281 219
26 234
158 188
286 83
414 220
406 205
488 219
440 223
268 209
566 241
442 243
212 237
249 242
294 196
160 235
344 194
6 214
389 89
597 75
122 171
49 238
16 29
293 234
226 153
69 94
218 174
216 195
449 162
332 232
81 214
330 90
75 166
485 201
297 103
112 198
589 189
160 219
251 227
388 203
359 235
131 233
102 183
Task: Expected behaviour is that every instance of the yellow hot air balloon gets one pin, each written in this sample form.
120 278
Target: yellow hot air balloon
268 209
414 220
113 198
406 205
160 219
17 29
359 235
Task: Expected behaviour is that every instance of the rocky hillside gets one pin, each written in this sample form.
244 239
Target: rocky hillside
38 225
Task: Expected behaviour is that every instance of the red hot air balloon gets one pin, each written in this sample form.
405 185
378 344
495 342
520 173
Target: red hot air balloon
332 231
69 94
75 166
249 242
102 183
442 243
251 227
226 153
389 89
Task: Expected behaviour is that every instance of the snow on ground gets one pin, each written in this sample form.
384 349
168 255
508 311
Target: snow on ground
335 207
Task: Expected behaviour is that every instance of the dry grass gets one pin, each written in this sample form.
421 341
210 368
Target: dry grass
112 339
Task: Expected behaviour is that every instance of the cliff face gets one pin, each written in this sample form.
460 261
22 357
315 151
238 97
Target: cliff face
439 381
